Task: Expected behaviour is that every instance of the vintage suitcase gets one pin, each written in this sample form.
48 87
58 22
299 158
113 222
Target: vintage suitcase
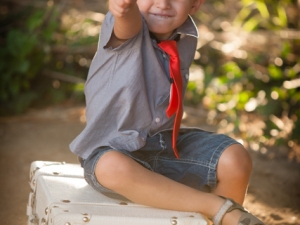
60 196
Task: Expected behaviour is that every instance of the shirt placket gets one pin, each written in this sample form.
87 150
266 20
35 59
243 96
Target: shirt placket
160 112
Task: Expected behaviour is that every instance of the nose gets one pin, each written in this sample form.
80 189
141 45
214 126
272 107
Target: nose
163 4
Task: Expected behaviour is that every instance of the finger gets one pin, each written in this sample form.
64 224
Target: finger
130 2
124 3
118 9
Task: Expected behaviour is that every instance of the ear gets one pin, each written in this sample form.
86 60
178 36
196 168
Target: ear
195 6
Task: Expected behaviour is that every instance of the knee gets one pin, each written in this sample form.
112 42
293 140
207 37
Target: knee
236 162
112 168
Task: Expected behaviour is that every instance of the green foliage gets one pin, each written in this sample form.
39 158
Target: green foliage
262 14
23 53
26 51
264 80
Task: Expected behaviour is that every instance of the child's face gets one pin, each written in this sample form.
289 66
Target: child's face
164 16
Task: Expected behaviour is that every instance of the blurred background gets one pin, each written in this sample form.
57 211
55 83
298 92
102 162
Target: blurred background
245 77
244 81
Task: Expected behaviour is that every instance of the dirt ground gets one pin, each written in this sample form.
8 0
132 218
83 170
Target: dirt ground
274 190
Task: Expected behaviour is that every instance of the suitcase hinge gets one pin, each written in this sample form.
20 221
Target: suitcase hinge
33 220
30 204
32 173
44 222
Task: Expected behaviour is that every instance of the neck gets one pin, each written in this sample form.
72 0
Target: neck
158 39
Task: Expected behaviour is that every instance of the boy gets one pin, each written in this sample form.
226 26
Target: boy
131 144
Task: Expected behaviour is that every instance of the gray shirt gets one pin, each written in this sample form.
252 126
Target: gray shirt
127 89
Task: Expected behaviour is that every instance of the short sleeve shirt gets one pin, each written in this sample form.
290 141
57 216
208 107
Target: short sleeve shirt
127 89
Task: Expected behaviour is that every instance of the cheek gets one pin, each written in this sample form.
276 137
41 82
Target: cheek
182 8
183 14
143 6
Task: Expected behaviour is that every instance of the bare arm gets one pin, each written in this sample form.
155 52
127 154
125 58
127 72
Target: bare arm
128 21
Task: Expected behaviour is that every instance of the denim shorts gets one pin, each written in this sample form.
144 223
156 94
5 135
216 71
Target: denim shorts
199 153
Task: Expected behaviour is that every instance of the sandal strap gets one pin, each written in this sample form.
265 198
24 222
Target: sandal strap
237 206
228 206
222 211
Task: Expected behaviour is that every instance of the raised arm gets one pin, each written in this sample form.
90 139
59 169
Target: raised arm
128 21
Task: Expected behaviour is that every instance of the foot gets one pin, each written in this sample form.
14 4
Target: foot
237 211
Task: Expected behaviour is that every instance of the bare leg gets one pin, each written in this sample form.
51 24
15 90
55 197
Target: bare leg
125 176
233 173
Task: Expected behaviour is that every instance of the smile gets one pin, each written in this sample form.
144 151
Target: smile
164 16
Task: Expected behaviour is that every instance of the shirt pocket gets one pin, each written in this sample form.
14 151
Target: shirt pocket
163 99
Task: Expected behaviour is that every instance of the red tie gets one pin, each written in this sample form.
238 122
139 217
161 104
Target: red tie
175 105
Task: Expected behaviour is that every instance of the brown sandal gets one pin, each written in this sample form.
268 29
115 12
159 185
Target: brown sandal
246 218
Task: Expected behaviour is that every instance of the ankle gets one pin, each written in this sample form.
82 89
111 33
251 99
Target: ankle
225 214
222 210
214 207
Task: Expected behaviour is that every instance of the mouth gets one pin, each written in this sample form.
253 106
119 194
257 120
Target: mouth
161 15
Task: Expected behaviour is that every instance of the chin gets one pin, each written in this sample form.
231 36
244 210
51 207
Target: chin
160 32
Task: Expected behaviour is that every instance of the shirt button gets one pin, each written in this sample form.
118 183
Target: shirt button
164 55
157 120
187 76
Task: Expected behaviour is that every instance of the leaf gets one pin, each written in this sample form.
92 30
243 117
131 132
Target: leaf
19 43
282 16
262 8
275 72
23 66
208 78
80 87
242 15
244 97
35 20
252 23
14 42
296 97
291 73
282 94
247 2
286 49
191 86
232 67
52 25
49 30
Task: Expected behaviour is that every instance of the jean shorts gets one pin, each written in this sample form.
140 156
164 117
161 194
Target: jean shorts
199 152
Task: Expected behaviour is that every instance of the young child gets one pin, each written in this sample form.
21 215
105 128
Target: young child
130 144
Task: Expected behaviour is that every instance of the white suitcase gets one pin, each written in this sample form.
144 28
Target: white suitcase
60 196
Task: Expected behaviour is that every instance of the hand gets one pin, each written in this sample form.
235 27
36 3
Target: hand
120 8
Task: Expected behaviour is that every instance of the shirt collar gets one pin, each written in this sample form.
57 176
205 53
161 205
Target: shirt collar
188 28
